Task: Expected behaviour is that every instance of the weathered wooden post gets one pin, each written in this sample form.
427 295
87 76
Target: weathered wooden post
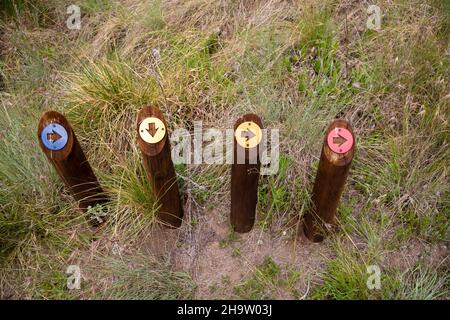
245 172
155 147
337 154
60 145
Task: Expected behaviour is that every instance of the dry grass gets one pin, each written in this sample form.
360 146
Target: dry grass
298 64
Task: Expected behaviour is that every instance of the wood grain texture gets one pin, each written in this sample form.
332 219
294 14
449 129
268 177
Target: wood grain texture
161 172
328 187
244 182
71 164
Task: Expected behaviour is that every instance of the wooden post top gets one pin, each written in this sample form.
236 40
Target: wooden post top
152 130
247 138
247 130
339 143
55 135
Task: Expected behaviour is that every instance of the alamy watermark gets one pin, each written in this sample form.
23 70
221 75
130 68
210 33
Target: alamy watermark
214 146
73 22
374 280
374 17
74 278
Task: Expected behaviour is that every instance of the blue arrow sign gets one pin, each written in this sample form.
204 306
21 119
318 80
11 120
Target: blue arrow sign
54 136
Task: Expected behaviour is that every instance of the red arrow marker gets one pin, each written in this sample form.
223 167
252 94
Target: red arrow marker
340 140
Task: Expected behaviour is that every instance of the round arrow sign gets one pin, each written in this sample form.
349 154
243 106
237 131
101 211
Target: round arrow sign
152 130
248 134
54 136
340 140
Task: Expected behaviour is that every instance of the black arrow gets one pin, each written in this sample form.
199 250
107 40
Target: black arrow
53 136
247 134
339 140
152 129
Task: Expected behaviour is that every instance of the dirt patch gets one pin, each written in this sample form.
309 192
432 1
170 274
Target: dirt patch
433 255
218 261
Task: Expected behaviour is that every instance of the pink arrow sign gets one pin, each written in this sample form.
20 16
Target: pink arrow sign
340 140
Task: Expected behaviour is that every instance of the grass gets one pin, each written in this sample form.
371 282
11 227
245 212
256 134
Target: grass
144 279
273 196
297 65
265 281
105 92
347 274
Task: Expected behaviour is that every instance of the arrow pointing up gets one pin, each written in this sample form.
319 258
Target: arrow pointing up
247 134
53 136
152 129
340 140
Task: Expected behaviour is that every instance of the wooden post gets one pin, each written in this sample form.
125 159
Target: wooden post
245 172
155 147
336 157
60 145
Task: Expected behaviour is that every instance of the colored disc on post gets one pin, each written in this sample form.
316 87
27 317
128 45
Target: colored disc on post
340 140
54 136
248 134
152 130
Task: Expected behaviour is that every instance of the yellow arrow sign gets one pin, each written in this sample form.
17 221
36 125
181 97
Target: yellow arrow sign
248 134
152 130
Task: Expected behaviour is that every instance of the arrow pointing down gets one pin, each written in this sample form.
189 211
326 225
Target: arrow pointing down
152 129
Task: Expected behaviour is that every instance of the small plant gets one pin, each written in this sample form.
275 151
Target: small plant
273 195
231 237
97 213
265 281
236 253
